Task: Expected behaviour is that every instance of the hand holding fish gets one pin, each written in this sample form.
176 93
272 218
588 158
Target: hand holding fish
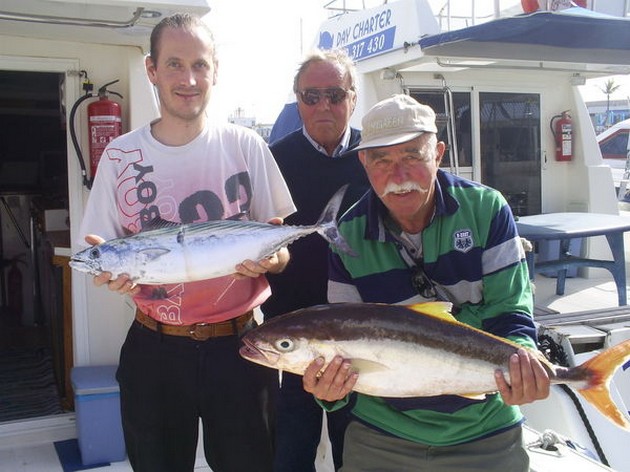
529 380
273 264
120 284
334 383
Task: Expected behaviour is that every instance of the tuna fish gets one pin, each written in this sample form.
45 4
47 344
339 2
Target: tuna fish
198 251
414 351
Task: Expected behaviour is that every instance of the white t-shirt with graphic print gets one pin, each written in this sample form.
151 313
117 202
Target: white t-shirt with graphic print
226 170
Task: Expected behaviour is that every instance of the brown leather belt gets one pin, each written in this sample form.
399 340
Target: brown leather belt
198 331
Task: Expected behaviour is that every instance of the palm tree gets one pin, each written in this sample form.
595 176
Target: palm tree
609 88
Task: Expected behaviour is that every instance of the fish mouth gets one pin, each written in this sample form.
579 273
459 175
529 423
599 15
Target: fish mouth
83 266
252 352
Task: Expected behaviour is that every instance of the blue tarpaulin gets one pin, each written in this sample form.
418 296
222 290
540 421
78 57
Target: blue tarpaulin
572 35
288 121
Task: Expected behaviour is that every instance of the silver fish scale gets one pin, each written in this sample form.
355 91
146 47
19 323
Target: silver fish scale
190 252
276 236
221 227
200 251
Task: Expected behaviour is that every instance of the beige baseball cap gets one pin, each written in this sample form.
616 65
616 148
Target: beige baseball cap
395 120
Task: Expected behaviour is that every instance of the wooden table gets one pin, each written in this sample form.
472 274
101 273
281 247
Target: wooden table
566 226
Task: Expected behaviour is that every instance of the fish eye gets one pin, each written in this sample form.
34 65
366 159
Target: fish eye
95 253
284 345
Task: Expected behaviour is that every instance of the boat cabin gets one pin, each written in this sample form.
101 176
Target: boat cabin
54 58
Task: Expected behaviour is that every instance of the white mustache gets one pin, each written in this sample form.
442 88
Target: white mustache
403 188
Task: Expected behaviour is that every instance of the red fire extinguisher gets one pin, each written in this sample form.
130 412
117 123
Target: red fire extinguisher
104 124
562 130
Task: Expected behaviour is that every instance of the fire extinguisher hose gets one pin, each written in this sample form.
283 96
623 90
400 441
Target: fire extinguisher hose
553 119
73 135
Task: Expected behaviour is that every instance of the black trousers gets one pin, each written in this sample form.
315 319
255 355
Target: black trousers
299 428
168 382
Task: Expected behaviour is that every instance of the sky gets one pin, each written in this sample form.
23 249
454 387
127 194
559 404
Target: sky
261 42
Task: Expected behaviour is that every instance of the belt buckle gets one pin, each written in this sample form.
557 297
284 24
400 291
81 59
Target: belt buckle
197 336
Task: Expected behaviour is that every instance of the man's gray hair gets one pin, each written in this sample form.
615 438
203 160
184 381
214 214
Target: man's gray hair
335 56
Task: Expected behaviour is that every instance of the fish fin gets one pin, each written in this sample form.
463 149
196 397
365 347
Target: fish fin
366 366
437 309
441 310
327 223
599 371
158 223
152 253
242 216
473 396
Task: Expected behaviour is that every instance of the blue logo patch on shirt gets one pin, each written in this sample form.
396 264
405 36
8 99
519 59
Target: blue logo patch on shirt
463 240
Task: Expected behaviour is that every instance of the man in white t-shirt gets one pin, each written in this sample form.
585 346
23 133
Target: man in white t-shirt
180 360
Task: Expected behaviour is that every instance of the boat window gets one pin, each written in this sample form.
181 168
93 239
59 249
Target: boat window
615 146
510 148
461 112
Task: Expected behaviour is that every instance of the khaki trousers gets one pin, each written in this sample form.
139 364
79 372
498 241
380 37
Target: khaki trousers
367 450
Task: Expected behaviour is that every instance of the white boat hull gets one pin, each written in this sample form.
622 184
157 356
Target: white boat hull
559 413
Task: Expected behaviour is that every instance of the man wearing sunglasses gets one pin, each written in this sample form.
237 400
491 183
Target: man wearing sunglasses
425 234
315 161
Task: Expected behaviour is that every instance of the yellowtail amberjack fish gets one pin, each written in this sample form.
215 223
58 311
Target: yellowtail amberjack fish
199 251
415 351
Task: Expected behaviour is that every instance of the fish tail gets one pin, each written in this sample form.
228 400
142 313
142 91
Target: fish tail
327 223
599 371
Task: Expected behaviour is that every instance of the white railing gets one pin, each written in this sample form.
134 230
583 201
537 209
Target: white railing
450 14
456 14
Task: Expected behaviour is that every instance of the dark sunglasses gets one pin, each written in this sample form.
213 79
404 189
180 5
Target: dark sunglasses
423 284
312 96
